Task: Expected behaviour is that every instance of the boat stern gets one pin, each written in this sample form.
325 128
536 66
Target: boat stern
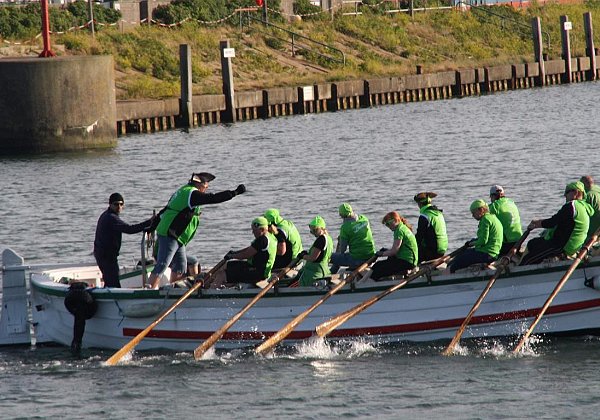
14 316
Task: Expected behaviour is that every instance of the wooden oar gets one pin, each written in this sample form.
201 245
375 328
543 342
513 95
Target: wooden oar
287 329
116 358
504 261
326 327
580 255
216 336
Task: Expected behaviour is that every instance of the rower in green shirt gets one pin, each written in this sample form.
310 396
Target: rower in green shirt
592 197
355 234
431 235
507 212
318 256
486 246
404 253
289 243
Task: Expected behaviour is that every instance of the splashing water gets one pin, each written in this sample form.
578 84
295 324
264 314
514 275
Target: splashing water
320 348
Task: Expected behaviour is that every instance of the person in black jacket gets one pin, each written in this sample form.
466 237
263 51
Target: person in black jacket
107 242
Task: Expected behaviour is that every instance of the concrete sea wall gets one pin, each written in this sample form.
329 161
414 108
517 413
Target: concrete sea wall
150 116
57 104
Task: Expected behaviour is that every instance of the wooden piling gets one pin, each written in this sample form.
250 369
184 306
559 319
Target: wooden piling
229 114
538 50
565 28
589 44
186 112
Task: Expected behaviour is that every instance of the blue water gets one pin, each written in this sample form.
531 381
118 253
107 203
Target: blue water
532 142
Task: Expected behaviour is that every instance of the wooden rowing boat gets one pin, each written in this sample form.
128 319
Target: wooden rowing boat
422 311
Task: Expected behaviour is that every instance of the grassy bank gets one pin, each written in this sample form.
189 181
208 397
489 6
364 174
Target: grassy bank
375 44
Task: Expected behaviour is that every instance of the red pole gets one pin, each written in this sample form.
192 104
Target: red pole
47 52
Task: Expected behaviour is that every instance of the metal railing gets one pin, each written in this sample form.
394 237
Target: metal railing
338 55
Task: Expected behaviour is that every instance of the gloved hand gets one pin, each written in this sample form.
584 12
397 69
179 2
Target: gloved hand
229 255
241 189
302 253
470 242
381 251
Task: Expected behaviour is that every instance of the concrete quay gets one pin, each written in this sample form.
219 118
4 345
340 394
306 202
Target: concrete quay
57 104
158 115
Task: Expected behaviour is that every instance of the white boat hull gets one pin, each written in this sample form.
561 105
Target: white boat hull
418 312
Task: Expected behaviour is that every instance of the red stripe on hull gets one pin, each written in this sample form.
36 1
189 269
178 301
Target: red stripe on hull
390 329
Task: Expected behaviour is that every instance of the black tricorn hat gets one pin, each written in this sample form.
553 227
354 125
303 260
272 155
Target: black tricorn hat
202 177
424 197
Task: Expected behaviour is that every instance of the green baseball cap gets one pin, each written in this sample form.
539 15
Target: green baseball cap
575 186
273 217
260 222
477 204
318 221
345 210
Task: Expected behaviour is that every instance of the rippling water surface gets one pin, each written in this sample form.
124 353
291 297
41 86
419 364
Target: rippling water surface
532 142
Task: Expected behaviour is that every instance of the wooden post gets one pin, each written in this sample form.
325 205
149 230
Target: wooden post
186 113
265 14
457 87
589 44
365 99
565 27
536 26
334 101
91 12
228 114
265 110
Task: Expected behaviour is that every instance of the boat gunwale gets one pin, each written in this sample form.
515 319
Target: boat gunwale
60 289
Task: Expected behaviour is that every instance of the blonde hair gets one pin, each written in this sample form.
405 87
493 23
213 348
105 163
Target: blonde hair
394 215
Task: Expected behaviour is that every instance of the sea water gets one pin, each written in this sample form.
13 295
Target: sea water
531 142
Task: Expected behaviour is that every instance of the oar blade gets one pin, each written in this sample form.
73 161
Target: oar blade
280 335
116 358
580 255
500 269
216 336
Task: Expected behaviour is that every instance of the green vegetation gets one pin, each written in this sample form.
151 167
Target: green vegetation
22 23
374 43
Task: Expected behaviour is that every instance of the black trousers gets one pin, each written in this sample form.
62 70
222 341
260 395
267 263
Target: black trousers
109 266
389 267
538 249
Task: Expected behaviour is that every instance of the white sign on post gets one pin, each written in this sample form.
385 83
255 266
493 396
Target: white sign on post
229 52
568 26
309 94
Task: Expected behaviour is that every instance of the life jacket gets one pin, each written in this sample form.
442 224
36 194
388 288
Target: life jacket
292 235
178 220
583 211
266 256
314 270
437 223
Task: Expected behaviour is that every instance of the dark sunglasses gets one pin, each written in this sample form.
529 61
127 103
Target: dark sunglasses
118 203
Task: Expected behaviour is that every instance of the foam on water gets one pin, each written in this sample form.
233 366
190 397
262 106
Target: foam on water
319 348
